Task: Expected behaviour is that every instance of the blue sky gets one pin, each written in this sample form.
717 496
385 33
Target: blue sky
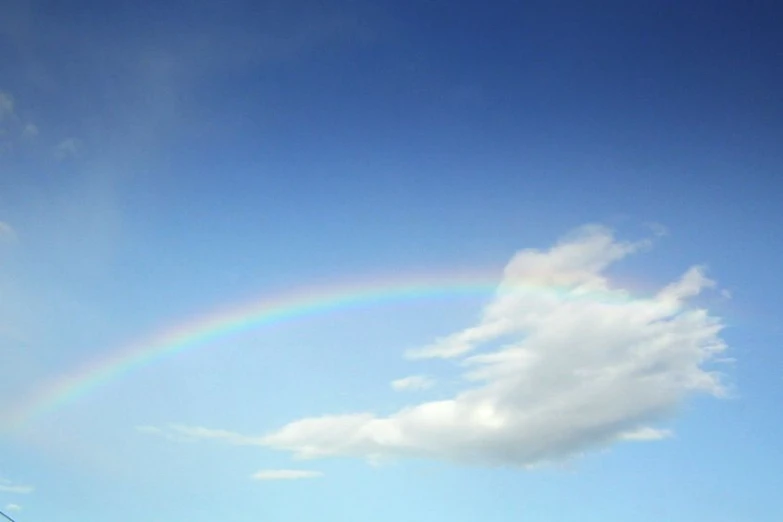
162 160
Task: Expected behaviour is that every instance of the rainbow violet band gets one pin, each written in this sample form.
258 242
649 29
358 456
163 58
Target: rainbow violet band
201 330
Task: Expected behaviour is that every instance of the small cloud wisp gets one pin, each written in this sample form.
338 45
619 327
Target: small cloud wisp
413 383
286 474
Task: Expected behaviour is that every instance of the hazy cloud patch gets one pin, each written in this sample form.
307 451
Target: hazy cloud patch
29 131
7 232
413 383
12 127
8 486
67 149
6 105
286 474
647 434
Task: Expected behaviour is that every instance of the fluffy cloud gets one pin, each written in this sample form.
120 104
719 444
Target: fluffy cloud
538 285
581 364
13 507
413 382
286 474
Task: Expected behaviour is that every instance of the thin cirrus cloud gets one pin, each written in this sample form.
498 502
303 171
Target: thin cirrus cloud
8 486
13 507
181 433
413 383
582 364
286 474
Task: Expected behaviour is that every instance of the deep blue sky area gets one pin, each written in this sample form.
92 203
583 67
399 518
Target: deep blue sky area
163 163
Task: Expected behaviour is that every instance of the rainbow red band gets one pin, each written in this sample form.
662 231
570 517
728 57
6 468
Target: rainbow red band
200 331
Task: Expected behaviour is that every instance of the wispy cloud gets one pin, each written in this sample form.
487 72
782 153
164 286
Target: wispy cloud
181 433
12 126
167 434
7 486
413 382
6 105
7 121
657 229
13 507
7 232
286 474
29 131
68 148
583 364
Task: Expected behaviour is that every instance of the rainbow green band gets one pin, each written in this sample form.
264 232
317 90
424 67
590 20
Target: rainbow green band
200 331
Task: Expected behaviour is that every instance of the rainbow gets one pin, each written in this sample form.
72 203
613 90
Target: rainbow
201 330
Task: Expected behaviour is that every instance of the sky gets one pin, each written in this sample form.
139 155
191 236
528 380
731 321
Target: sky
381 260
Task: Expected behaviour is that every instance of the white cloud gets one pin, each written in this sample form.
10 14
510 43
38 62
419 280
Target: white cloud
413 382
286 474
689 285
581 365
167 434
30 131
67 148
13 507
572 267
